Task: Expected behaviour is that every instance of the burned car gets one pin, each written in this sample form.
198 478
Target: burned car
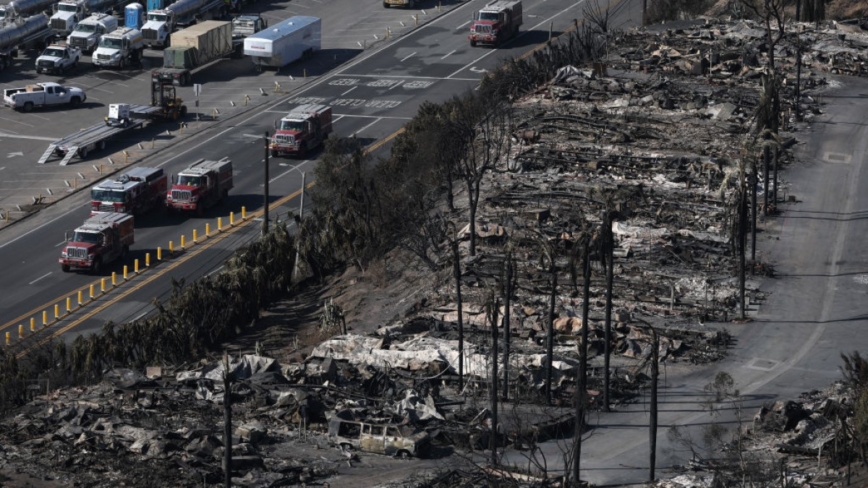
390 439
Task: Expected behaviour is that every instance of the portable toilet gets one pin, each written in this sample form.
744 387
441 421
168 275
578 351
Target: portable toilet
134 16
157 4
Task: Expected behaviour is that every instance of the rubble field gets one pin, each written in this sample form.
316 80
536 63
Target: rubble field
656 133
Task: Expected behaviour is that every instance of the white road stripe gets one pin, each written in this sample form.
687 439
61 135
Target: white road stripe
396 85
462 25
37 279
410 77
408 56
351 89
365 127
447 54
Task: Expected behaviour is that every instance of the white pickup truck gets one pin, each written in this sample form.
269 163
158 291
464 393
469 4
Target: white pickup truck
58 58
42 94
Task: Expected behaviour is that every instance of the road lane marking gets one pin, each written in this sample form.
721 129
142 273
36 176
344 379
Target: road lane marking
60 243
447 54
37 279
462 25
414 77
33 138
409 56
351 89
396 85
15 121
365 127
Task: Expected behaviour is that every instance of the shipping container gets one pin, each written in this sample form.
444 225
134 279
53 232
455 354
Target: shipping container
212 39
285 42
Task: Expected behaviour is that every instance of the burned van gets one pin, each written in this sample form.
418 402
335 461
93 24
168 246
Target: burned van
389 439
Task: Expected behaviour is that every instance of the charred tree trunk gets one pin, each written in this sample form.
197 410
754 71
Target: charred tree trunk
473 200
753 211
456 259
508 285
766 164
581 391
797 94
775 157
550 339
450 196
494 377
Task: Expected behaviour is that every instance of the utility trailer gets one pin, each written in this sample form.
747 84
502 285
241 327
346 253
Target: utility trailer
285 42
194 48
95 138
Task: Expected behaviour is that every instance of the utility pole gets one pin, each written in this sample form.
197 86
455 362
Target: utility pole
456 263
655 374
494 380
265 193
227 423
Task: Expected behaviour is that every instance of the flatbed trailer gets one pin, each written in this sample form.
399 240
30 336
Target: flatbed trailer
86 140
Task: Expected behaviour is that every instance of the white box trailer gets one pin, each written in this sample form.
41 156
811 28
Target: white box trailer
293 39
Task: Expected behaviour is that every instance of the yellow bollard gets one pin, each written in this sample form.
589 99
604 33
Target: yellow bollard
126 157
147 260
57 310
207 230
183 239
20 331
32 324
171 249
136 266
8 339
219 224
416 19
102 285
243 213
440 6
69 304
91 292
159 254
195 236
305 72
231 218
80 297
45 317
126 270
114 278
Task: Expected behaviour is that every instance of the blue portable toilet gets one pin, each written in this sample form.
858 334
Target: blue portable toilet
134 16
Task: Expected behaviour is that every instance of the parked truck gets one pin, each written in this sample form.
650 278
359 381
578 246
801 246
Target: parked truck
22 34
161 23
247 25
202 185
86 34
58 58
68 13
305 128
192 48
42 94
20 9
495 23
97 242
119 49
285 42
399 3
137 191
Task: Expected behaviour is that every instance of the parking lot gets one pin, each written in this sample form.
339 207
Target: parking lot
228 87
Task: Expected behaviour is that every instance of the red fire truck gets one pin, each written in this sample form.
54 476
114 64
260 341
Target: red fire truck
200 186
495 23
135 192
305 128
97 242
